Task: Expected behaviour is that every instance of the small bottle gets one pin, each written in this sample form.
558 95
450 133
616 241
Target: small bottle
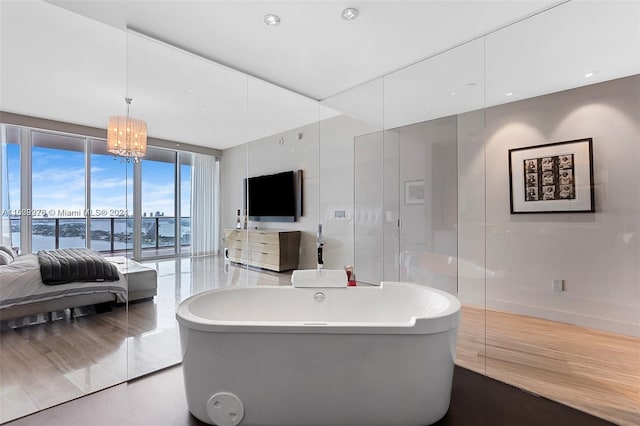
351 277
246 219
238 223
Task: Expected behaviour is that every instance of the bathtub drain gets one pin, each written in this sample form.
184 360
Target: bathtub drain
225 409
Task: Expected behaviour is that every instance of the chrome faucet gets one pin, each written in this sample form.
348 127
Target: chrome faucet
320 244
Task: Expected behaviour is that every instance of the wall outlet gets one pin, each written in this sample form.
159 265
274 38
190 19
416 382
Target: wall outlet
557 285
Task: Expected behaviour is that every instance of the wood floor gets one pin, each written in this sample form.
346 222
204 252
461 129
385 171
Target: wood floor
591 370
46 364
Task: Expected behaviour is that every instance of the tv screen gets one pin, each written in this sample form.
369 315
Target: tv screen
272 198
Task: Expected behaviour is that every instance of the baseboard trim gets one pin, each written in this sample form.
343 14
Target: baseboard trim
603 324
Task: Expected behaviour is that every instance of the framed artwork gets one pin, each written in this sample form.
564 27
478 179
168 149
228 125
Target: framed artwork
552 178
414 192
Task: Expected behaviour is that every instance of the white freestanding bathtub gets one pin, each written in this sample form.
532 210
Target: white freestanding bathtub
319 356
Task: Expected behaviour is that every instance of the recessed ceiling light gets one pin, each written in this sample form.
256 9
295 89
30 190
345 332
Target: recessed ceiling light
589 74
271 20
349 14
509 94
452 93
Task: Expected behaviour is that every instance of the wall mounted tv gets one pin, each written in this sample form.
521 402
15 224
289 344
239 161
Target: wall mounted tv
274 198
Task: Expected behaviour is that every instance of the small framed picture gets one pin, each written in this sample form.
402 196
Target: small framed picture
552 178
414 192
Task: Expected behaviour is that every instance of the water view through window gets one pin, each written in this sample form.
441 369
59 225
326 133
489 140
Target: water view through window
59 181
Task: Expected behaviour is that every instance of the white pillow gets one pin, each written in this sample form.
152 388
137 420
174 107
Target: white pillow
8 250
5 258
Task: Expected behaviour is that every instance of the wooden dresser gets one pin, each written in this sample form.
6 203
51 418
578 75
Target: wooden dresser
268 249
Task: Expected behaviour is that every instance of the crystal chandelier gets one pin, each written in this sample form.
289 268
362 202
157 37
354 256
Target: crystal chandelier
127 137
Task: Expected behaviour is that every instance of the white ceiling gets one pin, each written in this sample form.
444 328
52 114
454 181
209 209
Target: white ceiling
77 67
313 51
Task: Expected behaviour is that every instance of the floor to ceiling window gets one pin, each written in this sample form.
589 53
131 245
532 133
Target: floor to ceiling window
58 183
80 195
158 202
166 200
186 167
111 200
11 184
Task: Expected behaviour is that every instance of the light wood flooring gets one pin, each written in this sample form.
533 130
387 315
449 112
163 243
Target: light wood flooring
46 364
591 370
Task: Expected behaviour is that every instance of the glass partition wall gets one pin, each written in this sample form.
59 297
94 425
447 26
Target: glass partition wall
280 209
351 202
550 301
562 289
409 177
180 185
56 180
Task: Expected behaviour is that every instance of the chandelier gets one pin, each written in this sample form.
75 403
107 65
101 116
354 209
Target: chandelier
127 137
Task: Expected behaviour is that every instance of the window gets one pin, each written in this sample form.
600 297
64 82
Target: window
158 202
83 196
186 166
57 191
11 183
111 200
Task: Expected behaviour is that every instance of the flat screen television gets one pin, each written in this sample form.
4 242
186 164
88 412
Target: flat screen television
274 198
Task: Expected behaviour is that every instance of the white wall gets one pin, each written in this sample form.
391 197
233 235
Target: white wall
327 163
296 149
233 169
597 255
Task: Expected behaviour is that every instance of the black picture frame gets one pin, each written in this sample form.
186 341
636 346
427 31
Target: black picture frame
552 178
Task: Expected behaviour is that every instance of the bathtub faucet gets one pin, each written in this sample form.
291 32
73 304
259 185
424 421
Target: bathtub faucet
320 244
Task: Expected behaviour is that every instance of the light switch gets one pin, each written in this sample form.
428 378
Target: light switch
557 285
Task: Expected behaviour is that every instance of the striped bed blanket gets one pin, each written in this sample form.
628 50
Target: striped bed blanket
63 266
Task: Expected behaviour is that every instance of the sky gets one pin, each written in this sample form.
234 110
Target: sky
58 183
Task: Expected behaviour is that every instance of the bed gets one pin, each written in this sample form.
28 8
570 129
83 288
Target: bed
23 293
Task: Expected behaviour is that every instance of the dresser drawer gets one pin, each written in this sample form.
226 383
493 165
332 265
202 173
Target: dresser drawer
264 237
273 250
